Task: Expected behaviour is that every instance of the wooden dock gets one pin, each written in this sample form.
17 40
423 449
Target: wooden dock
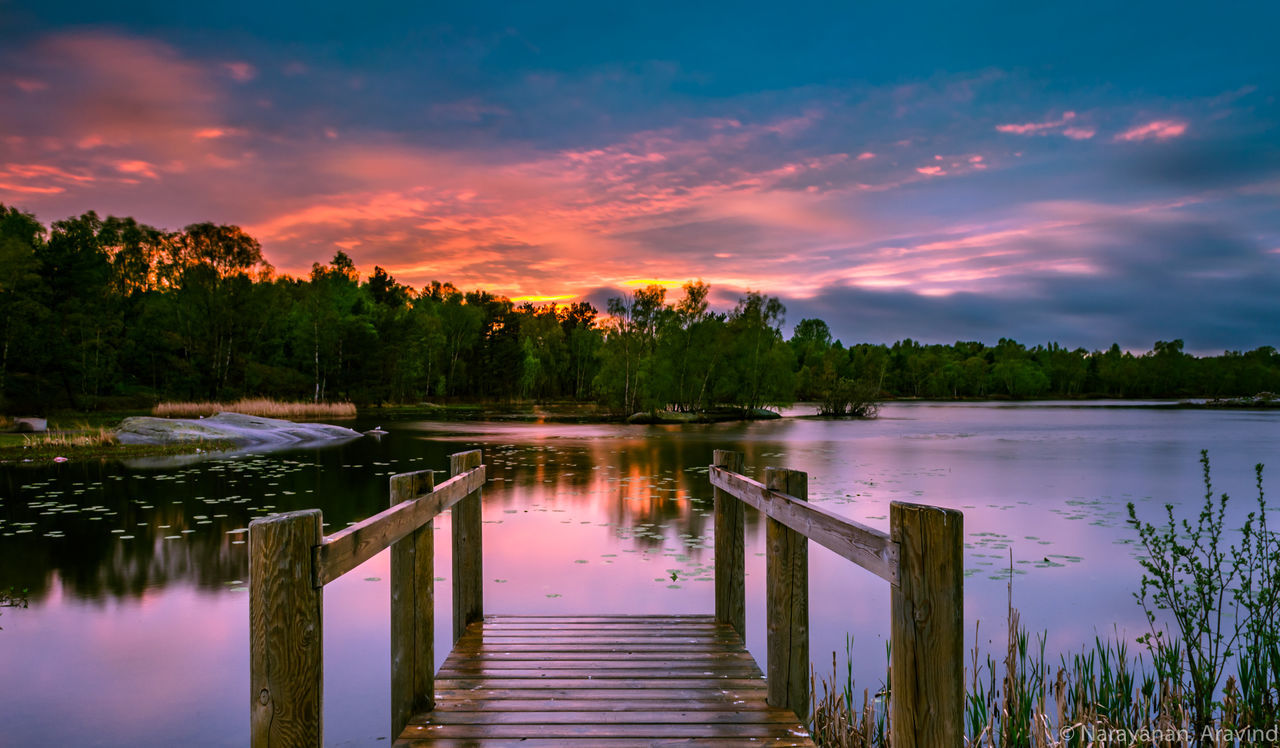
603 680
609 681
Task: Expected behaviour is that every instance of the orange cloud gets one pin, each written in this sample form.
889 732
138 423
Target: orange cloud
141 168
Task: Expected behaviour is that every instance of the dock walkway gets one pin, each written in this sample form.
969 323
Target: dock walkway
603 680
609 681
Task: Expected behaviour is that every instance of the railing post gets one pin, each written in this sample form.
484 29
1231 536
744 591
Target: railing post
286 674
927 668
787 601
413 660
468 553
730 575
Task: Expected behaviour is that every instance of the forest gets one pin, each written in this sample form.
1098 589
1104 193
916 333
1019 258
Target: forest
99 313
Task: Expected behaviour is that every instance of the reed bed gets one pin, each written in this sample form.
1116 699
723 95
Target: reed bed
256 407
1099 697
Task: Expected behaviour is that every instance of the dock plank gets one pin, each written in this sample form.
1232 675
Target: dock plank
608 681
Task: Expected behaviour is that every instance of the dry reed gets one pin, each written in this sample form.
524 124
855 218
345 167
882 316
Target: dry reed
82 436
256 407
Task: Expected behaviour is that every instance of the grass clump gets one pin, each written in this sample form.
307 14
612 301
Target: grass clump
256 407
81 436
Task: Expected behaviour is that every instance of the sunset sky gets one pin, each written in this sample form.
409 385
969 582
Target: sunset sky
1078 172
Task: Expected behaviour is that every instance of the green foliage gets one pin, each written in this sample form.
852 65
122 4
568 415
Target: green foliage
98 309
1220 598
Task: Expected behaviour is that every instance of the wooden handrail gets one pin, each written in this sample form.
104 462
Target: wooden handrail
922 557
290 562
346 549
867 547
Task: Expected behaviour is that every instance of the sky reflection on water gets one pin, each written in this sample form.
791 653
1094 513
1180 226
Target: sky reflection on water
138 618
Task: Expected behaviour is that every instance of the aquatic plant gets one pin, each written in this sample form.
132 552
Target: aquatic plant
1219 597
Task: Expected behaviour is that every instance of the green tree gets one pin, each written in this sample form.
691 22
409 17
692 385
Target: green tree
22 313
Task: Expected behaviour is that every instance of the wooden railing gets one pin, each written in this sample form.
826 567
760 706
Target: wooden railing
290 561
921 558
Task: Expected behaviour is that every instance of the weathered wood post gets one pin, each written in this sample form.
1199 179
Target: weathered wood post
468 553
730 574
927 668
413 659
286 674
787 603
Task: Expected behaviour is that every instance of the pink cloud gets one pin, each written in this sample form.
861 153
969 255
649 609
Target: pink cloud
931 171
1159 130
241 72
29 85
1061 126
120 91
1037 128
866 155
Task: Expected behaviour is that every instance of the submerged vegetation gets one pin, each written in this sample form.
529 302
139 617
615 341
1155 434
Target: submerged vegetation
1210 675
256 407
13 598
101 313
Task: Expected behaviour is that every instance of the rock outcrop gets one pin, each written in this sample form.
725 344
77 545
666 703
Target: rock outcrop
240 429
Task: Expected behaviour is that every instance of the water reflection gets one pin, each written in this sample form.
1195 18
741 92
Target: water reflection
136 574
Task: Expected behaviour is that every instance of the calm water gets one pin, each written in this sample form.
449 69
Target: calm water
137 632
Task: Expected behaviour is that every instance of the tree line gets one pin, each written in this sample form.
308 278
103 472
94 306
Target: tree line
104 312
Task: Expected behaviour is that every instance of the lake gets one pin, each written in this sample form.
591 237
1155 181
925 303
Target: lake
137 630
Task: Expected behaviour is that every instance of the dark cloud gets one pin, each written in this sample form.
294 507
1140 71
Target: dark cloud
1202 282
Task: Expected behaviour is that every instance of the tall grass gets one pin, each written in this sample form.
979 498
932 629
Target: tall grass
1099 696
81 436
256 407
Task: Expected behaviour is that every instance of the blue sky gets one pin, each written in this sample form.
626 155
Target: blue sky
1084 173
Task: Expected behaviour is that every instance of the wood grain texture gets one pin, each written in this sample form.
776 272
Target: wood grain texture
468 549
867 547
286 673
730 564
413 659
613 699
927 608
346 549
787 601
